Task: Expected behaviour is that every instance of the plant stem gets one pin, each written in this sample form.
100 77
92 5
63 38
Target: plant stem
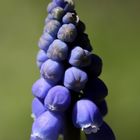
71 133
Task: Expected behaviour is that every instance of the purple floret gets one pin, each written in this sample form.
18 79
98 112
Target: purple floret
58 50
58 99
75 79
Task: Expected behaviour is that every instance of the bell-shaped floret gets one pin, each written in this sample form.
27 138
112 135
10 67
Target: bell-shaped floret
47 127
52 71
58 99
75 79
87 116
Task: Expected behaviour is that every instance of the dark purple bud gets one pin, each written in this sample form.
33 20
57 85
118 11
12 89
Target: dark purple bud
52 71
87 116
67 33
46 127
105 133
102 107
83 41
51 6
58 50
69 18
37 108
79 57
41 58
40 88
52 27
81 27
45 41
58 99
95 90
75 79
95 68
57 13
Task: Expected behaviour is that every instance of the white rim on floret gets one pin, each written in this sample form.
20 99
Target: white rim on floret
90 128
33 116
37 135
52 108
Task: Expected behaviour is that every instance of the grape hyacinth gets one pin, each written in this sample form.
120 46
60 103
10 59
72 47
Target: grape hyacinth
69 96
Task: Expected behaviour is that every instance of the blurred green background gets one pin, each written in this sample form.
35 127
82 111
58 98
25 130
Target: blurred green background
114 29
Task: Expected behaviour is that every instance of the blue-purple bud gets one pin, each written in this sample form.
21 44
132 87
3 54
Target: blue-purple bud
45 41
58 50
69 7
67 33
52 71
61 3
41 58
37 108
87 116
57 13
51 6
79 57
58 99
52 27
105 133
75 79
46 127
95 90
69 18
40 88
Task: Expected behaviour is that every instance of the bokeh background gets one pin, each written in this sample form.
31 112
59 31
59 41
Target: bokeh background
114 29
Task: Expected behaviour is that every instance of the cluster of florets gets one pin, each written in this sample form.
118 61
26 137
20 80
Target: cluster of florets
69 85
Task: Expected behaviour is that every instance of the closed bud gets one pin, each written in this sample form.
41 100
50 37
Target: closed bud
87 116
75 79
79 57
95 68
58 50
40 88
102 105
69 7
61 3
95 90
69 18
67 33
57 13
105 133
52 71
51 6
45 41
37 108
52 27
41 58
58 99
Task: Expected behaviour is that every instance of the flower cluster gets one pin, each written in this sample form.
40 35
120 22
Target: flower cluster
69 79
